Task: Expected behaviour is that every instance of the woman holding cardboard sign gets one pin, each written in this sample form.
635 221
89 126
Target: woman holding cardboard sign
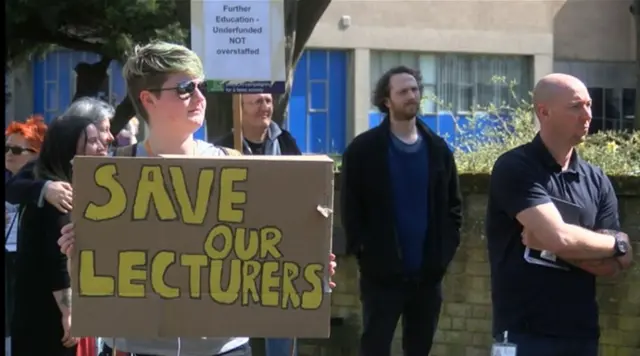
165 83
42 315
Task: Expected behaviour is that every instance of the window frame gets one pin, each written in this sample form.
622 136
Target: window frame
433 81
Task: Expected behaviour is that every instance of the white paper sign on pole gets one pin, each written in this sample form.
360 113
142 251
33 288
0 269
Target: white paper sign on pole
241 44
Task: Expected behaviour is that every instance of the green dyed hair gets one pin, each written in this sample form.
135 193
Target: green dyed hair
150 66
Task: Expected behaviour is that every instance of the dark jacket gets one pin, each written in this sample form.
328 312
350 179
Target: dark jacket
285 140
23 188
366 205
40 269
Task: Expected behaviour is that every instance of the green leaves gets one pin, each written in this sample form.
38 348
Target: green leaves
110 28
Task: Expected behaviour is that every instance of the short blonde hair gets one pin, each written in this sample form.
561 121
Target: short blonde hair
150 65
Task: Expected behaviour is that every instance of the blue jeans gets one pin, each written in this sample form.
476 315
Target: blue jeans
280 347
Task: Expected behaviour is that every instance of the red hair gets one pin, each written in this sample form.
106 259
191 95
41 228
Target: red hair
33 130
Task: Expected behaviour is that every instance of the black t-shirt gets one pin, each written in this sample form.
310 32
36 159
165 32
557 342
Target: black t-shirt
531 298
256 148
40 269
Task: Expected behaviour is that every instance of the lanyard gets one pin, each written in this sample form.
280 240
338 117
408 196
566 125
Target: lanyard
8 233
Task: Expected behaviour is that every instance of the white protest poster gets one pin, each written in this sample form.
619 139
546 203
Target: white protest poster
241 44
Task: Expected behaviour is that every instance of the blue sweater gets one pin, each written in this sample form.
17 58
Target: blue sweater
409 171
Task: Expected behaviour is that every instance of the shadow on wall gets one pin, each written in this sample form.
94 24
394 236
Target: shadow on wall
609 35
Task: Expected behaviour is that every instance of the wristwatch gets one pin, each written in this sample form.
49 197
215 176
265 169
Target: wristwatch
621 246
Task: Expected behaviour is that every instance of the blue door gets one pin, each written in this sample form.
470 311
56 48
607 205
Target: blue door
318 103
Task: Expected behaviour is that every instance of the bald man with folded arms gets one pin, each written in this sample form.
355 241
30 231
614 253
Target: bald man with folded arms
552 227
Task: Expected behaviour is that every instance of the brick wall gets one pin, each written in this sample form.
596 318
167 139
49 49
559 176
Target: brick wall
465 323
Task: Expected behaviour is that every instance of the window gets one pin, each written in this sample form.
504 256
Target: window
427 65
611 86
628 108
612 109
460 82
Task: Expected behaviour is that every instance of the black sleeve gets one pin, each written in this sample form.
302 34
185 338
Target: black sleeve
455 202
513 186
23 188
224 141
288 144
350 201
295 150
608 215
56 261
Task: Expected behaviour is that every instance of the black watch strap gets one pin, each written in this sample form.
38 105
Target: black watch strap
620 248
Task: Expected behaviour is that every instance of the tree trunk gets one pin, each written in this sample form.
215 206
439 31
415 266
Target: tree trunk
301 17
219 115
90 78
89 81
635 9
124 112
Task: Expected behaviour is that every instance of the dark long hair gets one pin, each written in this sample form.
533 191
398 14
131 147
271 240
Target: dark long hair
59 148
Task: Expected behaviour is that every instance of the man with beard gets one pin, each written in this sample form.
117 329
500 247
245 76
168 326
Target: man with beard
261 135
552 226
401 211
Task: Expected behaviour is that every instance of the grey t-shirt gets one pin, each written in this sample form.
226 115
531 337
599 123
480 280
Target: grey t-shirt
205 346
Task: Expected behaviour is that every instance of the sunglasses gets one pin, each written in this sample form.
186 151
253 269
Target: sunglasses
187 88
17 150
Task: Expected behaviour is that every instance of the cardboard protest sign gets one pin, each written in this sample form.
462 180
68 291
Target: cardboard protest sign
195 247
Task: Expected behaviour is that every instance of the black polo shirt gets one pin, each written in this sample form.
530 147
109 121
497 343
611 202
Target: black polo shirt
530 298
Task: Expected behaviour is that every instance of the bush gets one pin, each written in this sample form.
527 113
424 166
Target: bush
505 127
616 152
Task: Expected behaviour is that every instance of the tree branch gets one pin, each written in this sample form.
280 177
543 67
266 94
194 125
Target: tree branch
24 39
301 17
290 31
309 13
90 77
124 112
61 40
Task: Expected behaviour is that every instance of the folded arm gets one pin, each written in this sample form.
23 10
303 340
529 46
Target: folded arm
526 200
24 188
568 241
606 219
